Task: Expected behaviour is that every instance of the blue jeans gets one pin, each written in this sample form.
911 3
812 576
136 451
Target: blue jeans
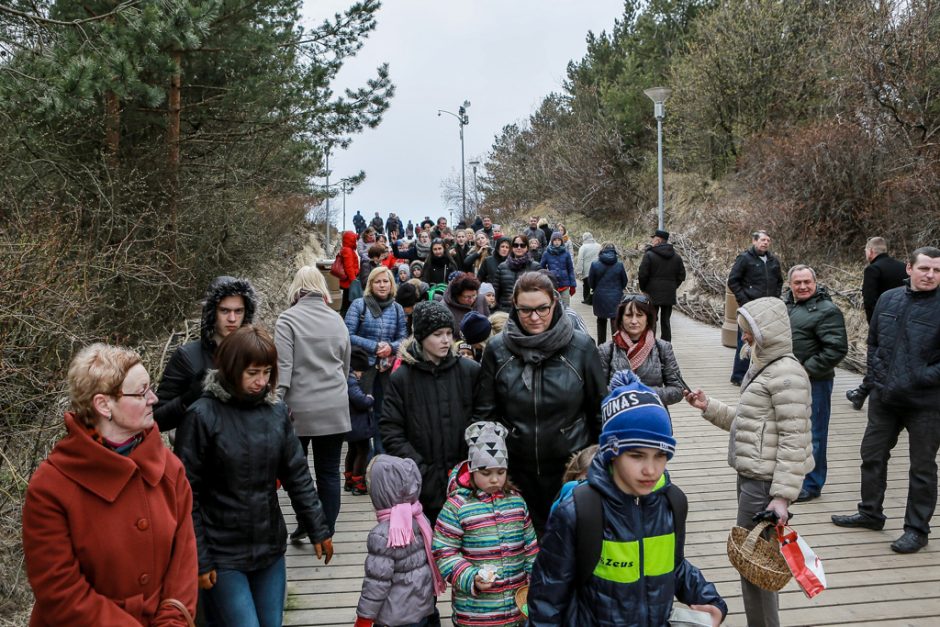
327 450
248 599
822 409
740 365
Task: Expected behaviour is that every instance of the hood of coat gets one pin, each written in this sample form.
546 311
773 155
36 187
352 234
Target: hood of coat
460 483
220 288
350 239
393 481
665 250
587 238
770 325
214 386
409 351
608 256
822 293
495 249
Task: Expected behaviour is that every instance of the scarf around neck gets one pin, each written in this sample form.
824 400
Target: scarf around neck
376 306
534 349
638 351
518 263
401 533
423 249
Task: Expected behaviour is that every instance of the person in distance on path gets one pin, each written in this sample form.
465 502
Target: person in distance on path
660 275
883 273
820 343
756 273
904 378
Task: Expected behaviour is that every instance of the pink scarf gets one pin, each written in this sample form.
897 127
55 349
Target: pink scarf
401 533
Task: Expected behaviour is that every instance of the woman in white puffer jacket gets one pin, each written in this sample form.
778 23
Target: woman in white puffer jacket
771 444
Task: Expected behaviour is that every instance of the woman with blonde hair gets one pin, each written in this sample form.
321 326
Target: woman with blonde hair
378 324
107 525
313 351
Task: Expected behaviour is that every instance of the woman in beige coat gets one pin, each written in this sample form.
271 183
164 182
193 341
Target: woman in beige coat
771 445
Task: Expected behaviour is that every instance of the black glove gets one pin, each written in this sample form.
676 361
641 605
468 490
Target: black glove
195 390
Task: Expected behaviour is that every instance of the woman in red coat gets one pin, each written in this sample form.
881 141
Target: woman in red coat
349 255
107 526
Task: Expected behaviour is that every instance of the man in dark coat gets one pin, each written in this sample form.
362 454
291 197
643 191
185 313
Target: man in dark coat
820 343
229 303
660 275
904 378
377 224
756 273
883 273
359 222
534 232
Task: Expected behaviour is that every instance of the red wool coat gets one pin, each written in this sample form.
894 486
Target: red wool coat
107 537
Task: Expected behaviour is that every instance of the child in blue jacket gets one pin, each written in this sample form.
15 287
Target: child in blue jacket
641 568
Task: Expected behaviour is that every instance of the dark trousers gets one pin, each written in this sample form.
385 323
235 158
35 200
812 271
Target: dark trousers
602 324
740 365
587 294
665 326
881 435
326 453
760 606
539 491
822 410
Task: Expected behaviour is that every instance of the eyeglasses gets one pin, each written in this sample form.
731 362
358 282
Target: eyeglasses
520 245
635 298
147 390
541 311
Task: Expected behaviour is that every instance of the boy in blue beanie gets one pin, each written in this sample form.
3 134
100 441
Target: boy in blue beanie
629 500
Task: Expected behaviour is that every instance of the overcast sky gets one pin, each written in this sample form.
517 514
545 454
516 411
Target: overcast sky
503 56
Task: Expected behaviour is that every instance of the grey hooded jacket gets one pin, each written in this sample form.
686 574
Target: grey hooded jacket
398 587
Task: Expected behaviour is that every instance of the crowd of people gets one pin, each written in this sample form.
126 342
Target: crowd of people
501 446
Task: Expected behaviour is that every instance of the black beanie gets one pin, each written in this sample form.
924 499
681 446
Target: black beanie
475 327
358 359
428 317
407 295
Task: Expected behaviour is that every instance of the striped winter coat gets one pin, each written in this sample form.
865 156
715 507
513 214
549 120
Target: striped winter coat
476 529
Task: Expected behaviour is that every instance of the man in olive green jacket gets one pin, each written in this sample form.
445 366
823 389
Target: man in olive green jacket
820 343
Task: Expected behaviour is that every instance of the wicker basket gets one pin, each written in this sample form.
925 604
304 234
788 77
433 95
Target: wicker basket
522 600
758 560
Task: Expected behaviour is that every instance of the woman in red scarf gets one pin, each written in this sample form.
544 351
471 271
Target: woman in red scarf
634 347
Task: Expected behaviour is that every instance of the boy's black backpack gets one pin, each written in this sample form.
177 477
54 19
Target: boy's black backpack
589 527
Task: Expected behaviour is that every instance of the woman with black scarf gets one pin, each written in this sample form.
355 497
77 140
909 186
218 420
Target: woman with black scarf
543 380
439 265
516 264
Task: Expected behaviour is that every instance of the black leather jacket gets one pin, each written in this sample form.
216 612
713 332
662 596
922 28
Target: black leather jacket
234 453
904 348
558 417
750 278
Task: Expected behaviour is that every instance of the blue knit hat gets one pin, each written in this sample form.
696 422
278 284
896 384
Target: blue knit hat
634 417
475 327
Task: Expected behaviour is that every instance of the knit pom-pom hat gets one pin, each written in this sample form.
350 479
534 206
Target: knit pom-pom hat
634 417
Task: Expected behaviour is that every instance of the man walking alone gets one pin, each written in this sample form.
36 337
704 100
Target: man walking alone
660 275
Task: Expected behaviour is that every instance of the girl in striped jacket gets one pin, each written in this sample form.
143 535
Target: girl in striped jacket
484 541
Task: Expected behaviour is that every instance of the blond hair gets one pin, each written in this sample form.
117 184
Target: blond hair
579 463
374 275
97 369
498 321
310 279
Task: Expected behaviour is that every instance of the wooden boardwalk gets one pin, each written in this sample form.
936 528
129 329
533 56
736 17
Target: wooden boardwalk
868 583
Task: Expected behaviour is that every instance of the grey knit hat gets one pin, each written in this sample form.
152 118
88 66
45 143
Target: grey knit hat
428 317
487 445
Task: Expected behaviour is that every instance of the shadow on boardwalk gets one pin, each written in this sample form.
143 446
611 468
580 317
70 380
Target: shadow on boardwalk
869 584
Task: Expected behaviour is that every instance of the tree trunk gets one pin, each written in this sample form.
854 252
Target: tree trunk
173 145
112 128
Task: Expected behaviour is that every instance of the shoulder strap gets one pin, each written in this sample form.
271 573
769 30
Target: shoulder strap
680 512
589 531
763 368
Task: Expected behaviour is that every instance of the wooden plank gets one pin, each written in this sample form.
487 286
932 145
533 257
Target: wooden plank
869 584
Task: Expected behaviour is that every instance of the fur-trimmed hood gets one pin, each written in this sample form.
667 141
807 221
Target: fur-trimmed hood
214 386
221 287
410 353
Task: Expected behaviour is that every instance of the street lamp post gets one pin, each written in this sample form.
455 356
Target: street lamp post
658 95
476 190
328 148
344 185
462 118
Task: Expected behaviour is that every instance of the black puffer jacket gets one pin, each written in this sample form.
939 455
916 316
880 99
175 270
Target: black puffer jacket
660 274
437 269
189 363
424 415
558 417
506 279
234 452
751 278
904 348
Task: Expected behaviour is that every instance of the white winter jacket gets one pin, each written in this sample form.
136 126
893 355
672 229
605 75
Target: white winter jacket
771 438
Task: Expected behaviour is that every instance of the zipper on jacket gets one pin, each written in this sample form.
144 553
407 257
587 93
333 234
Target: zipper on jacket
640 535
537 381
